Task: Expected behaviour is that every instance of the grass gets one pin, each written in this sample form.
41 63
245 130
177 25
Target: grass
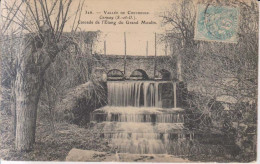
51 145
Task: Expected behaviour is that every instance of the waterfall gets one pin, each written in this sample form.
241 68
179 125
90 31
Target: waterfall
134 93
136 119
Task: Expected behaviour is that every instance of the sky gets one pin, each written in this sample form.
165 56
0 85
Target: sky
137 35
136 43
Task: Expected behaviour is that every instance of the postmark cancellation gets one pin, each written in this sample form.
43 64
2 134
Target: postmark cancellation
216 23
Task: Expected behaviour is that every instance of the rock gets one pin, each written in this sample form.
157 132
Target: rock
89 156
95 156
125 157
69 99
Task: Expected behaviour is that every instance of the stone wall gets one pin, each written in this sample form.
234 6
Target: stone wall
147 64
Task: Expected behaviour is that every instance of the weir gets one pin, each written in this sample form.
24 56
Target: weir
136 93
141 117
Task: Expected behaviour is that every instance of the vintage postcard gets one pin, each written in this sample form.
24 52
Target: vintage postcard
129 80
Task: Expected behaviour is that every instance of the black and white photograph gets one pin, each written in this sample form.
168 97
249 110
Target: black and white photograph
160 81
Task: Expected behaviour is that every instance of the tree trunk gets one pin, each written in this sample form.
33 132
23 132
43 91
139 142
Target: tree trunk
32 64
28 87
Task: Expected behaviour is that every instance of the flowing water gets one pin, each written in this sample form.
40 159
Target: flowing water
134 93
134 119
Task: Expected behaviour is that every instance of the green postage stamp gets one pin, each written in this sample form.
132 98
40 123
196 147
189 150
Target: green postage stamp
216 23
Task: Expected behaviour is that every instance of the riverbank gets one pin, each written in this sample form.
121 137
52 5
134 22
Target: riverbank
51 144
55 144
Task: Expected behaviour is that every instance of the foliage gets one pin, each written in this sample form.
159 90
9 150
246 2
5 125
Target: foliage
51 145
220 75
71 69
40 26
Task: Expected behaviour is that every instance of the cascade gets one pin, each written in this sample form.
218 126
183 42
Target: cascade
136 119
134 93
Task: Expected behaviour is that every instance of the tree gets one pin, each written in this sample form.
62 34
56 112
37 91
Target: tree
70 70
41 26
215 70
181 19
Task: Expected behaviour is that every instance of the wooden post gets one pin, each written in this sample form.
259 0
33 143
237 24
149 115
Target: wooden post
146 48
166 48
125 54
155 54
179 62
91 48
105 48
174 95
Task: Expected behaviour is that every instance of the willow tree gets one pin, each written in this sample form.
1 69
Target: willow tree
41 25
